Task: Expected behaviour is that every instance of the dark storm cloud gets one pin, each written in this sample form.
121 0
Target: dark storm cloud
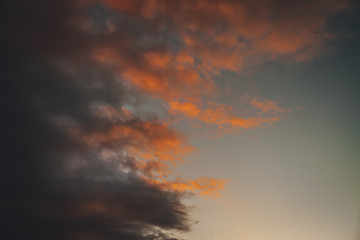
55 184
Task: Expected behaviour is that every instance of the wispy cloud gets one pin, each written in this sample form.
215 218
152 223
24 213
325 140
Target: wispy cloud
222 115
268 106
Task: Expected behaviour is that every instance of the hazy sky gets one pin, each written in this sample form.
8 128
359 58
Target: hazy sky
298 178
199 120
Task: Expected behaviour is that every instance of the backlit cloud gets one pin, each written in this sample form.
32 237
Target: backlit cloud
267 105
82 160
222 115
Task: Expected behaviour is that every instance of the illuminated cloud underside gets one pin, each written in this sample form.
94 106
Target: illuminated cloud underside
80 165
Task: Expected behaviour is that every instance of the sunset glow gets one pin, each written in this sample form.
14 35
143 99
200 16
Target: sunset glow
180 120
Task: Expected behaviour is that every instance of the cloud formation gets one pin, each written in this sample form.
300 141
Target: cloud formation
221 115
208 37
79 164
185 45
267 106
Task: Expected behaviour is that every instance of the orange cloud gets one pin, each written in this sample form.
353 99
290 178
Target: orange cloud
154 169
203 186
146 140
188 109
208 186
218 115
154 147
252 121
221 114
267 106
172 50
158 59
185 58
209 37
179 82
162 74
258 30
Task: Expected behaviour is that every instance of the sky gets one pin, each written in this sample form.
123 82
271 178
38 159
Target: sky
180 120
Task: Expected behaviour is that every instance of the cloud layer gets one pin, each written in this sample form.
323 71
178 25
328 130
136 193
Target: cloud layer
79 163
186 42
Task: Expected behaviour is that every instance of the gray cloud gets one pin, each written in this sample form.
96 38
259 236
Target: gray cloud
54 184
60 60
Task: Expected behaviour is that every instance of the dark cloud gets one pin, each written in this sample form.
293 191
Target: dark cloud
70 165
56 181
